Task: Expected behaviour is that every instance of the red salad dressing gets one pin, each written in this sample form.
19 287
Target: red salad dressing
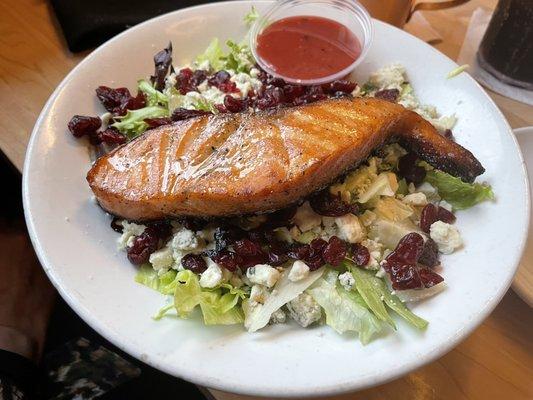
307 47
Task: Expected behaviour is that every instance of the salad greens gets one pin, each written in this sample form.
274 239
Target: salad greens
459 194
390 208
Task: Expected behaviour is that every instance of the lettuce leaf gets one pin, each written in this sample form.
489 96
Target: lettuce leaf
367 286
132 124
459 194
344 312
217 308
214 55
251 17
153 96
149 277
374 290
240 58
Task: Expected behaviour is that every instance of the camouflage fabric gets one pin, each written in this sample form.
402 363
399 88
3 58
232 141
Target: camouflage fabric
81 370
8 391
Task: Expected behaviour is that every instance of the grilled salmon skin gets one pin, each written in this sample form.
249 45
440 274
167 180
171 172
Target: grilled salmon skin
232 164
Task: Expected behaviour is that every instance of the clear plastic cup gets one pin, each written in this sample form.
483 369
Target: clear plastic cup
350 13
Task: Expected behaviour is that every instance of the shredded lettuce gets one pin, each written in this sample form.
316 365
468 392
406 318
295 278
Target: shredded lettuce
251 17
344 313
459 194
132 124
213 55
366 286
240 58
376 293
218 306
153 96
162 283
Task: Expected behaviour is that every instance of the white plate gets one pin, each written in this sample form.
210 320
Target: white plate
523 281
77 248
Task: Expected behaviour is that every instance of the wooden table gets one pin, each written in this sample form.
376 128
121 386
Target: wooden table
495 362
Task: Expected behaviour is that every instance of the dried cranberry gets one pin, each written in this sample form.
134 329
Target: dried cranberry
388 95
234 105
161 229
180 114
277 253
226 236
227 259
428 217
246 247
119 100
116 226
315 259
445 216
270 98
408 169
431 213
408 249
184 81
194 262
324 203
81 125
219 78
405 277
299 251
250 252
342 86
335 251
360 254
429 278
291 92
162 61
401 264
112 136
143 245
157 122
198 77
193 224
430 254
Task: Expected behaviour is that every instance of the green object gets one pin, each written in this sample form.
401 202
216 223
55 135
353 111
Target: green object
153 96
149 277
366 286
402 187
214 55
377 290
343 312
217 308
251 17
132 124
240 58
459 194
456 71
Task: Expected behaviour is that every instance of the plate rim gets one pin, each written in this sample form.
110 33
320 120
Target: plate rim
235 387
521 291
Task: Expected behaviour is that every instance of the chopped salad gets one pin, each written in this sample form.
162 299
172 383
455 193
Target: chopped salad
350 257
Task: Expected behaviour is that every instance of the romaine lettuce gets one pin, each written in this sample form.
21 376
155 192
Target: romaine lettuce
132 124
459 194
374 290
343 312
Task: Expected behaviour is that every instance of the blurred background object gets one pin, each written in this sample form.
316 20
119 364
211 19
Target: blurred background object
506 50
87 24
399 12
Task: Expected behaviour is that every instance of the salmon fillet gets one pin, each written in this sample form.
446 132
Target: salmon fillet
232 164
